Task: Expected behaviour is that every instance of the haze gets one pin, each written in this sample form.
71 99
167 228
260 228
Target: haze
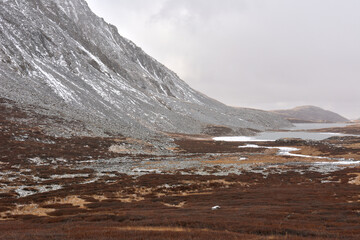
252 53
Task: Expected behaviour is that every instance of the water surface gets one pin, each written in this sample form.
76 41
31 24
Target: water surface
309 126
272 136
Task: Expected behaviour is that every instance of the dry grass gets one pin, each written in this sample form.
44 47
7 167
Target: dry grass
73 200
287 205
355 180
26 209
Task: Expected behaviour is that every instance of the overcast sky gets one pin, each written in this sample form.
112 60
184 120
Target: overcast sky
267 54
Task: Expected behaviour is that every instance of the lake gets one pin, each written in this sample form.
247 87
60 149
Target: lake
272 135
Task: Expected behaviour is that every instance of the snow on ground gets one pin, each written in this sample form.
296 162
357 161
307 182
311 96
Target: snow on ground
38 161
78 175
24 191
240 139
251 146
60 89
286 151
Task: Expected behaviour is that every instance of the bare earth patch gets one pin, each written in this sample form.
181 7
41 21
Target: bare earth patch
355 180
27 209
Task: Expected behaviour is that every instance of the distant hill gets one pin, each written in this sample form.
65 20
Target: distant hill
310 114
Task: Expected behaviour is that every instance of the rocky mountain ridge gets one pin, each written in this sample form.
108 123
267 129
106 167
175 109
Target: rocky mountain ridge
310 114
58 57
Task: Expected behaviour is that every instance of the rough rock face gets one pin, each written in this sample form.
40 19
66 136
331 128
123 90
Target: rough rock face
59 56
311 114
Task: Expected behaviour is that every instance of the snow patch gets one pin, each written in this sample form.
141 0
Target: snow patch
56 176
60 89
240 139
250 146
38 161
24 191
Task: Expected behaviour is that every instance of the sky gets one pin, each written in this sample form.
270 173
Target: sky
265 54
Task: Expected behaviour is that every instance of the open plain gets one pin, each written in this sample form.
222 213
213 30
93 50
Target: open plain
101 188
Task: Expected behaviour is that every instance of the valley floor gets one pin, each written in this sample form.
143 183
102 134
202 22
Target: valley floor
101 188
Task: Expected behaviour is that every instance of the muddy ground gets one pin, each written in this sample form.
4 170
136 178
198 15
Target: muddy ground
118 188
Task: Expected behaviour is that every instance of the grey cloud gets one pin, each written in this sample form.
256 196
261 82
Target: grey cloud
252 53
197 12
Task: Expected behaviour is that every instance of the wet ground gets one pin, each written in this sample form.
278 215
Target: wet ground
118 188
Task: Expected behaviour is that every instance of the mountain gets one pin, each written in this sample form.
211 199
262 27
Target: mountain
310 114
60 59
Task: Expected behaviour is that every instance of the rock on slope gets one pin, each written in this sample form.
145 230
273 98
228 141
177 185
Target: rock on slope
311 114
59 56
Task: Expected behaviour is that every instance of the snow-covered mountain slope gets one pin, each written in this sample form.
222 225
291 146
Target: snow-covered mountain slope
58 55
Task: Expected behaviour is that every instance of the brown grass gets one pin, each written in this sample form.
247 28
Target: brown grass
355 180
288 205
